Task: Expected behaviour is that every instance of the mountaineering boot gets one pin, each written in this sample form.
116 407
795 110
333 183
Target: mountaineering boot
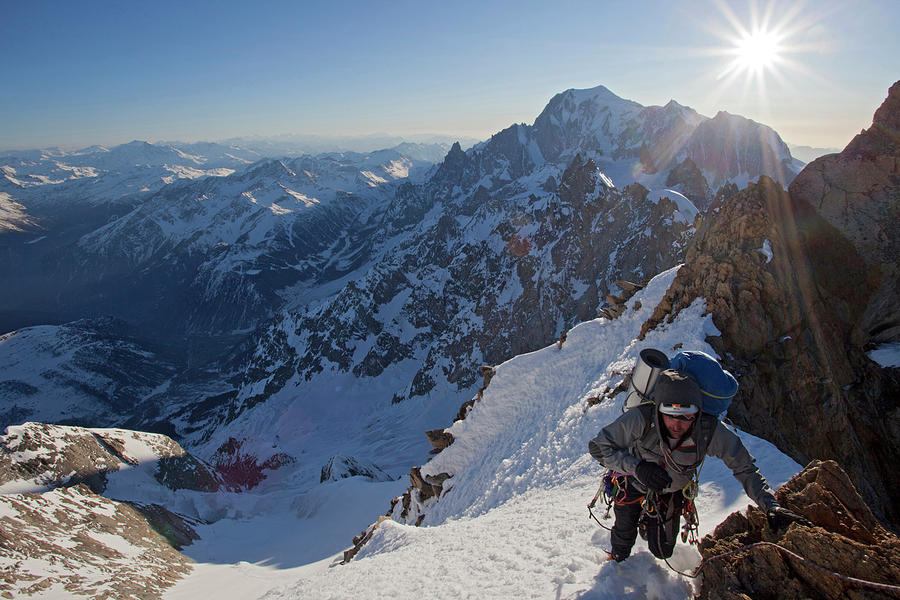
618 555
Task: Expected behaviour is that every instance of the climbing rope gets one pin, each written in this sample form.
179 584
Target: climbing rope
885 587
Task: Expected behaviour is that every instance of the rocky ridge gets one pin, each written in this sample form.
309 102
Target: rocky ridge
744 557
794 328
858 192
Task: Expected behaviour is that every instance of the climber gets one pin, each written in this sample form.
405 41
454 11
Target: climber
660 468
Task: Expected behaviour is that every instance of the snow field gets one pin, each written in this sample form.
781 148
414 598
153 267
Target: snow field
512 521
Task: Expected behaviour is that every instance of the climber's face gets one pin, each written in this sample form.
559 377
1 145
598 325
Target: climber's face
679 425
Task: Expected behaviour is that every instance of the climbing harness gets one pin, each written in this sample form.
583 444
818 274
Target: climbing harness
613 491
690 530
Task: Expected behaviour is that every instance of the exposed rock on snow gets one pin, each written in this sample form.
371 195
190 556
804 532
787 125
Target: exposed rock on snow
73 539
439 438
360 540
241 470
38 456
846 539
341 467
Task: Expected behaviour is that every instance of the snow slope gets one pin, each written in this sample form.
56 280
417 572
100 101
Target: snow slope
77 372
512 522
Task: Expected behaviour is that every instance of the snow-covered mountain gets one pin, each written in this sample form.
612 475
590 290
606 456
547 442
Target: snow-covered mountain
85 372
499 257
475 280
369 263
507 245
97 175
631 142
98 373
210 255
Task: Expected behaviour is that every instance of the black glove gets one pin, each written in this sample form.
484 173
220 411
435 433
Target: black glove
780 518
653 476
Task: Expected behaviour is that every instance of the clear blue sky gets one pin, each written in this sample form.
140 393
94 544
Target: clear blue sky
83 72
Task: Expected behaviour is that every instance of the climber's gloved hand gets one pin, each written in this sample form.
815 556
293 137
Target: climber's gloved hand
780 517
653 476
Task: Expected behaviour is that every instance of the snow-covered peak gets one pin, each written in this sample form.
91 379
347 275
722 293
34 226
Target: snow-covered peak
80 371
600 96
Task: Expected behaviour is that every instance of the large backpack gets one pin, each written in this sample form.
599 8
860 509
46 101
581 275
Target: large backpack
717 385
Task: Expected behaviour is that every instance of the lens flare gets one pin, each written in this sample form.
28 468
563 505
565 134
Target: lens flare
758 51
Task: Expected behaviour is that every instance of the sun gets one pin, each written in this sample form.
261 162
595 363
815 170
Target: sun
757 54
757 51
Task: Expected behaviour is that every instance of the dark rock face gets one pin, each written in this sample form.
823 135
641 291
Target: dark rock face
845 539
858 192
176 529
691 182
790 331
730 145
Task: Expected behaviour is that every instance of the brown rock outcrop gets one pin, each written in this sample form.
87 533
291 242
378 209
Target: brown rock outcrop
360 540
439 438
858 192
744 558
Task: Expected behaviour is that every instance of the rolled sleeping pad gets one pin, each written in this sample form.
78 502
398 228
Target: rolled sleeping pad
650 363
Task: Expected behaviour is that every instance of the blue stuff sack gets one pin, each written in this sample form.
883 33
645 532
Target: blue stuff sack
717 385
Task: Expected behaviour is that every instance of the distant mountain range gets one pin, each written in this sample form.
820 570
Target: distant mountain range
361 263
808 154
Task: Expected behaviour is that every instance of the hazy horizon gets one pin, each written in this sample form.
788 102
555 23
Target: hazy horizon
108 73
